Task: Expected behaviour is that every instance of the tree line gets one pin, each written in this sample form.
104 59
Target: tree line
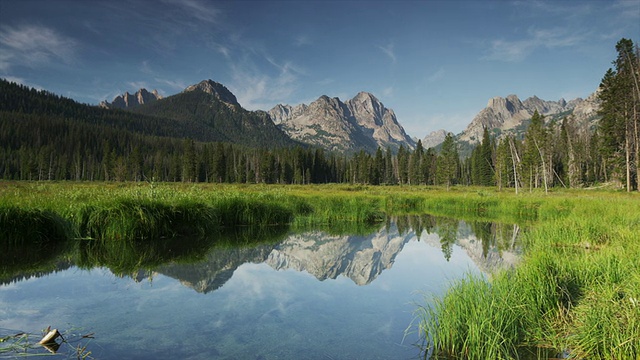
37 147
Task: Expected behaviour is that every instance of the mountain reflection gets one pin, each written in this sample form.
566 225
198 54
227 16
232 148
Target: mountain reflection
361 258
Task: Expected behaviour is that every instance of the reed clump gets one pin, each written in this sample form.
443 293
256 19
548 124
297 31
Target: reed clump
27 225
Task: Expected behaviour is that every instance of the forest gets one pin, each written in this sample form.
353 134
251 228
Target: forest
47 137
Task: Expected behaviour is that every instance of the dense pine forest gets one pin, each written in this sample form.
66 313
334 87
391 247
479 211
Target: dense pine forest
47 137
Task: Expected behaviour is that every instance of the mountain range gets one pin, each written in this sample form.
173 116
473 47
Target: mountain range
510 116
360 123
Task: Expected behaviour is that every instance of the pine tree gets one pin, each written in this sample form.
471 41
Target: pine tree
448 160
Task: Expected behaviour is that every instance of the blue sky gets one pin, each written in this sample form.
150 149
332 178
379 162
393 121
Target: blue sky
436 63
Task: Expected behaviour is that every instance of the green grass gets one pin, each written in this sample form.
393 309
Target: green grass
576 289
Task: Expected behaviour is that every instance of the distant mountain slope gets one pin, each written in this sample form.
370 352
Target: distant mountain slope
359 123
18 98
213 106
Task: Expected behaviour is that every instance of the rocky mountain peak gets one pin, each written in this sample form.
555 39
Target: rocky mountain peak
506 114
359 123
127 100
216 89
368 108
434 138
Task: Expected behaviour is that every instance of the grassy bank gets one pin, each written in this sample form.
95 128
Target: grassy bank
577 290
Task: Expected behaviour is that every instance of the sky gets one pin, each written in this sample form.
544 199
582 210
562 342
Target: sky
435 63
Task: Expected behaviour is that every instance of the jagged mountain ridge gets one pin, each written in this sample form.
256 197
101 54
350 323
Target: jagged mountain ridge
362 259
128 101
362 122
507 115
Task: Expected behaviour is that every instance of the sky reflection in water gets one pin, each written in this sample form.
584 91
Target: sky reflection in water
269 308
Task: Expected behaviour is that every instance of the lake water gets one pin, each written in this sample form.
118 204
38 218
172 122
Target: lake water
311 295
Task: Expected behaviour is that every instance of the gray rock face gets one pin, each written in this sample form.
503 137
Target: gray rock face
127 101
216 89
434 139
359 123
506 114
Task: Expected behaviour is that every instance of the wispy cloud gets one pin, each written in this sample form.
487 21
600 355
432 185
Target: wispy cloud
34 46
138 85
627 9
259 89
388 91
301 40
389 51
173 84
438 75
518 50
200 10
326 81
145 68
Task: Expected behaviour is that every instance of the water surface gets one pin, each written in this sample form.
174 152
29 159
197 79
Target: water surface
310 295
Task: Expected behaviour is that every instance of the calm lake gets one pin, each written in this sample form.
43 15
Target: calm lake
310 295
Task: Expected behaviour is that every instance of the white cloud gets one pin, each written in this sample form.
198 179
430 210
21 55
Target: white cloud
438 75
145 68
174 84
518 50
388 91
301 40
326 81
224 51
628 8
199 10
388 50
34 46
136 85
258 88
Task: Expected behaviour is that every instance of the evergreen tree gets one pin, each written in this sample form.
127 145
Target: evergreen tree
448 161
620 111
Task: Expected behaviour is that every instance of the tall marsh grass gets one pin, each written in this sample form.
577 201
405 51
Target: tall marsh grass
575 291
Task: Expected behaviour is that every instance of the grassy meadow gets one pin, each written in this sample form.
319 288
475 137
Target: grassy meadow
576 290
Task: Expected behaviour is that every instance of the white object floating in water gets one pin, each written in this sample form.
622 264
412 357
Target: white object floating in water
50 337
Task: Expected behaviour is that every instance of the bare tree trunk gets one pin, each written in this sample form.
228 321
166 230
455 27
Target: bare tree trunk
514 157
544 167
636 134
627 154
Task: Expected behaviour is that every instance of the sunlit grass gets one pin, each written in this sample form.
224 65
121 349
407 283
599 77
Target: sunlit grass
576 289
